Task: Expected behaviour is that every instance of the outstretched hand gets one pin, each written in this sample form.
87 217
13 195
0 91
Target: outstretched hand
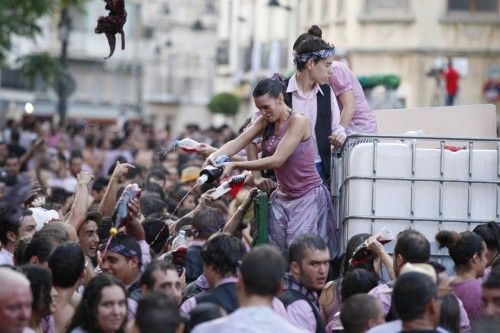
264 184
337 139
210 160
133 221
121 170
206 198
204 149
228 169
374 245
248 200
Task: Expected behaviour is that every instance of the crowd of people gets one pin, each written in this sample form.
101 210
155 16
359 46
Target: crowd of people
181 260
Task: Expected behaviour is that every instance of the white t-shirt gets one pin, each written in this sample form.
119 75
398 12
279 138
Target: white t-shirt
6 258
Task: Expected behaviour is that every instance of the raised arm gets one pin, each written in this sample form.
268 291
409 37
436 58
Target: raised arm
80 203
108 201
31 151
205 200
232 225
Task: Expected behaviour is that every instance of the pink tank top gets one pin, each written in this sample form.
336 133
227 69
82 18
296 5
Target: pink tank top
298 174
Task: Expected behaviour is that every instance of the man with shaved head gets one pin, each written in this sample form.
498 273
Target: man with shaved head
15 301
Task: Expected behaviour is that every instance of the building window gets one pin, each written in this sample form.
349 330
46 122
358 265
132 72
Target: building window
325 10
374 7
382 11
472 11
473 6
340 7
13 79
222 55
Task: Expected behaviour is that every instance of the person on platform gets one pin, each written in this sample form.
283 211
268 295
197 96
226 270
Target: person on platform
356 116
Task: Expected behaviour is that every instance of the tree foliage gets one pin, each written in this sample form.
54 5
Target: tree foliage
49 69
225 103
22 18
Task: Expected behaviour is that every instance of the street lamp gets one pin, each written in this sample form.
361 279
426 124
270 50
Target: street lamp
63 29
29 108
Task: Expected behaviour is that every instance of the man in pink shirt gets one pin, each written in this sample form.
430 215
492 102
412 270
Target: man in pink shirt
309 260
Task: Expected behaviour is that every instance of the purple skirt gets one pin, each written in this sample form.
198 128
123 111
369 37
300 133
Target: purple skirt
311 213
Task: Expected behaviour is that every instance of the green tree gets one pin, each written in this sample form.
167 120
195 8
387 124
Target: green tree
21 18
225 103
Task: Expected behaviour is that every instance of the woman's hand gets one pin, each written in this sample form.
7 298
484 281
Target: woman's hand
205 149
206 198
375 246
264 184
338 137
121 170
210 160
228 169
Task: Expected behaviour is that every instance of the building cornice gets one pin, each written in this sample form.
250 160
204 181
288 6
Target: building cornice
426 50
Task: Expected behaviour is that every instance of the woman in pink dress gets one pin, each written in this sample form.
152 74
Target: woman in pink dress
301 204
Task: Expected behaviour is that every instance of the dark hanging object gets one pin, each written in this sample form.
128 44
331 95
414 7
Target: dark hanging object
113 23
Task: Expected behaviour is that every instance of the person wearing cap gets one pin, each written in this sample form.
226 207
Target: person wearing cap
190 174
123 259
88 236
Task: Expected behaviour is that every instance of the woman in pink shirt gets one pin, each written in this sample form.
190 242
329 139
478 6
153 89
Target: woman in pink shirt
469 253
356 116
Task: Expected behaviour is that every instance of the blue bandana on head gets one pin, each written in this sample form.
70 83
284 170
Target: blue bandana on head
316 55
124 251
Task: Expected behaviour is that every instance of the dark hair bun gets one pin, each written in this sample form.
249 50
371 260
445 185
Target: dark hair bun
446 238
315 31
277 77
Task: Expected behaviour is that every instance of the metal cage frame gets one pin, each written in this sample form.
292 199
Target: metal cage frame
341 179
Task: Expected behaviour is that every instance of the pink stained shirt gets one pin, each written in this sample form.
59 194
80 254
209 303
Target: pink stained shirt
301 315
307 105
190 303
383 293
343 80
